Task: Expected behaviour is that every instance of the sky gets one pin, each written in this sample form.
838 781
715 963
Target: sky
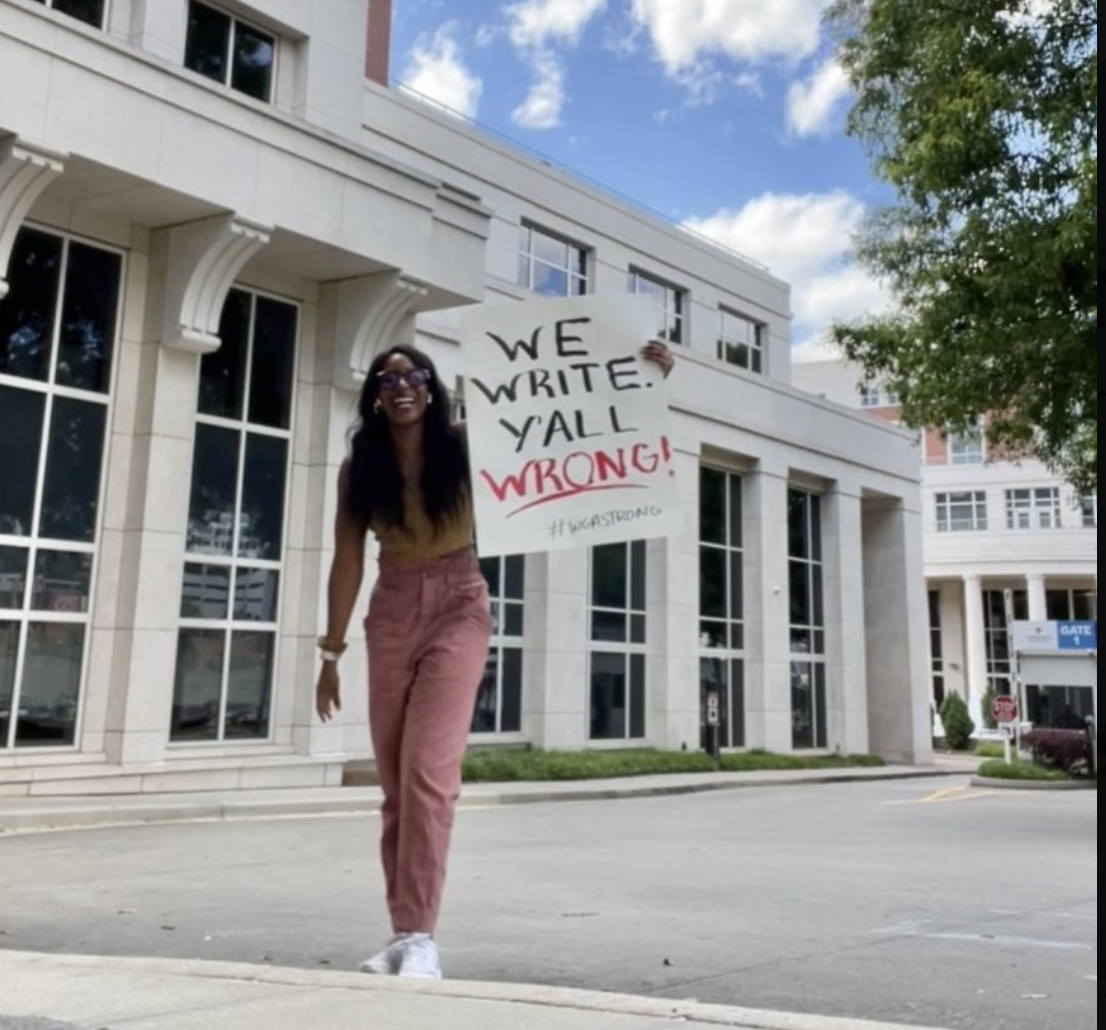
724 115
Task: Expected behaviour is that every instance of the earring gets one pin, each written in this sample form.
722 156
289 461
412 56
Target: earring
376 407
429 399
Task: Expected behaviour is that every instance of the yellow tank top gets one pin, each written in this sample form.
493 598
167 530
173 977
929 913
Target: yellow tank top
417 538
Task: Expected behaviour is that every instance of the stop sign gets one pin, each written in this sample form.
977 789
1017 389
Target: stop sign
1004 708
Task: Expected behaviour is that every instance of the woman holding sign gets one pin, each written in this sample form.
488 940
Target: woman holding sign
428 628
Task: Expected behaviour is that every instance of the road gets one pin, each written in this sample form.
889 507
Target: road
924 901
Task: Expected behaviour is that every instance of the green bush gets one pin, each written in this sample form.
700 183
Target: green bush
991 749
957 722
1019 770
989 696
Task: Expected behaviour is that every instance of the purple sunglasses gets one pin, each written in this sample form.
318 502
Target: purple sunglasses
413 377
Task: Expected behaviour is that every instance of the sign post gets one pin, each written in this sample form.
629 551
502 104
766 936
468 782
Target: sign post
1004 709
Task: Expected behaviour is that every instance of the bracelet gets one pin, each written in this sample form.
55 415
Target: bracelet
331 646
329 656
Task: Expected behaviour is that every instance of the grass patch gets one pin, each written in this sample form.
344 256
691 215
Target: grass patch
1019 770
494 766
990 749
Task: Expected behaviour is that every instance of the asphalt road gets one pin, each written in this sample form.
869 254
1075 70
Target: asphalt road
924 901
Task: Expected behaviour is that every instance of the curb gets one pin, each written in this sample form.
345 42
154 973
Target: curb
996 784
565 998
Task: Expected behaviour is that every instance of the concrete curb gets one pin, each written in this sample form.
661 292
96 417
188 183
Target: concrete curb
996 784
509 994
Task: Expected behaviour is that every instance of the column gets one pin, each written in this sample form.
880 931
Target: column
1035 588
975 647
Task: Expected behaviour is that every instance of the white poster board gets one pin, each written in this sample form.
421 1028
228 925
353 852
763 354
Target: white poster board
567 425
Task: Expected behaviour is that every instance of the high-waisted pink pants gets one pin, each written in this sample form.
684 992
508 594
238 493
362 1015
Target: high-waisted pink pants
428 629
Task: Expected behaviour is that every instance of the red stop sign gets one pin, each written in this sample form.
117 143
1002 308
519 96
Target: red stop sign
1005 708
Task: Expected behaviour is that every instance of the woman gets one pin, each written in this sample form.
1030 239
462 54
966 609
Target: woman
428 628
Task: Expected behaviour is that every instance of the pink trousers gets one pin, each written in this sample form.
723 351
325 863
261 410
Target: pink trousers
428 629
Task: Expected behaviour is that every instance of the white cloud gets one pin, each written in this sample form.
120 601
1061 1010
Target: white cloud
435 70
806 240
543 104
813 103
687 32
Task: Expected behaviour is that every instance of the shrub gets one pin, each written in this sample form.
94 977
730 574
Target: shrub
957 722
990 749
1068 751
989 696
999 770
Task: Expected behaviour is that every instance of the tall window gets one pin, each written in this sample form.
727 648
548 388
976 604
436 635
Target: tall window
226 652
1089 507
997 636
966 448
1038 508
499 701
961 511
668 301
91 12
741 341
57 341
617 615
721 602
808 621
1063 605
936 648
230 51
550 265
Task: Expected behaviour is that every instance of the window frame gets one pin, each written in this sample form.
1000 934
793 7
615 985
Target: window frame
669 317
50 5
1033 508
1089 510
946 500
754 349
503 642
869 395
966 448
227 81
813 658
528 256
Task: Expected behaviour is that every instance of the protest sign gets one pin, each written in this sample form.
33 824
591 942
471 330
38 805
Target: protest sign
567 425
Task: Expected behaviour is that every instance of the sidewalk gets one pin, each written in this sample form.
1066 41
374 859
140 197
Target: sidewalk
50 992
30 814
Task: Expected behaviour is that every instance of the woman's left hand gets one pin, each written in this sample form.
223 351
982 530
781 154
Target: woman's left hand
658 353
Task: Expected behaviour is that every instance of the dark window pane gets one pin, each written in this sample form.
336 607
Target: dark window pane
737 587
255 594
712 634
9 652
223 371
1085 605
798 537
262 528
89 11
274 348
71 490
13 576
51 685
61 582
512 620
511 719
489 569
819 600
608 626
88 314
637 696
1057 605
608 576
712 506
608 696
20 439
799 593
737 636
802 705
819 705
712 679
27 312
205 592
815 503
198 684
249 684
208 42
800 640
214 480
712 582
637 629
637 575
735 510
516 577
484 711
252 72
737 703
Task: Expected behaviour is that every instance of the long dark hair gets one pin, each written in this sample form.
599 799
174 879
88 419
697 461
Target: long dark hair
375 480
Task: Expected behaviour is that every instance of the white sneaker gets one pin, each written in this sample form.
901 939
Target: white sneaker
386 961
419 958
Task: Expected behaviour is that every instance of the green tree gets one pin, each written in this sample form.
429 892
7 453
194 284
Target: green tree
982 117
958 724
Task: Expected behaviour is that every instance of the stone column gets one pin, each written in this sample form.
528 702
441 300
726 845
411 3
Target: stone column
975 647
1035 588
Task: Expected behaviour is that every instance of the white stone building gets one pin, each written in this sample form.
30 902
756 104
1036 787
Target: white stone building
211 217
996 532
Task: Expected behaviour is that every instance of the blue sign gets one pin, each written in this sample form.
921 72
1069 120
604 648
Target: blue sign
1077 636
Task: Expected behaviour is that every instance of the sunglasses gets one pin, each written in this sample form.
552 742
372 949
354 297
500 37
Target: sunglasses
415 378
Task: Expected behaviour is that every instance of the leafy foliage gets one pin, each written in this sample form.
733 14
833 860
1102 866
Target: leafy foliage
958 724
1069 751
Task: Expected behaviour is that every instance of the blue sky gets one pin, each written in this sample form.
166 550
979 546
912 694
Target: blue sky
726 115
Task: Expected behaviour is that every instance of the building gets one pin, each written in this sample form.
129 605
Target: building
210 219
1003 539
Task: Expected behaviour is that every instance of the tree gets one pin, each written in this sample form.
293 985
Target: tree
982 117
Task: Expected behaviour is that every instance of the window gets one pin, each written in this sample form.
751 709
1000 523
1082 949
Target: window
966 448
499 701
741 341
869 395
226 651
1038 508
1081 605
57 341
230 51
91 12
618 624
1090 511
997 637
962 511
807 620
936 649
669 304
721 603
551 266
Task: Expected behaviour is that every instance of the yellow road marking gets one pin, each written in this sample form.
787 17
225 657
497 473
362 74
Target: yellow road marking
948 794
